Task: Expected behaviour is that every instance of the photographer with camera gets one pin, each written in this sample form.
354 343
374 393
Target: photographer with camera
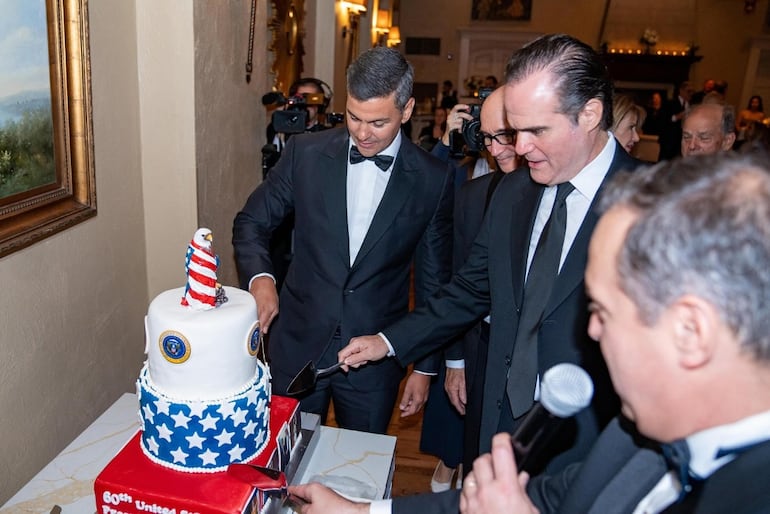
297 113
450 431
464 145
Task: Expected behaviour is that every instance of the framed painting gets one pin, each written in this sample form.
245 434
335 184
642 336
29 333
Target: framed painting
47 179
501 10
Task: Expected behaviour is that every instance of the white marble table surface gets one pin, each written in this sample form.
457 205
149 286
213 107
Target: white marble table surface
364 460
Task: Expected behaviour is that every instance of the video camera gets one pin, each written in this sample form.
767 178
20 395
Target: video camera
468 141
292 119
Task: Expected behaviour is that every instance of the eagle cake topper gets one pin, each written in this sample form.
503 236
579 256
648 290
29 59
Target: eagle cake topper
202 291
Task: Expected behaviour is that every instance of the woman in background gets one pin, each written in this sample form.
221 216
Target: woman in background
431 133
628 121
753 113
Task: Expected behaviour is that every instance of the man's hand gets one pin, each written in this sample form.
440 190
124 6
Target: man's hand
361 350
495 486
415 394
454 120
265 294
320 499
454 385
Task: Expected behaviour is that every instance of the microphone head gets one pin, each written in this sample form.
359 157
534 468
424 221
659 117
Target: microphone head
565 390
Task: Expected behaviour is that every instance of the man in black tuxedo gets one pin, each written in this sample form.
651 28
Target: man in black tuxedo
367 203
677 275
674 112
558 99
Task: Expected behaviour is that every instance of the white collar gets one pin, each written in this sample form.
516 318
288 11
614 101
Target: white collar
590 178
705 444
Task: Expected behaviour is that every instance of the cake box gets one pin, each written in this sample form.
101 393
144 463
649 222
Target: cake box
132 483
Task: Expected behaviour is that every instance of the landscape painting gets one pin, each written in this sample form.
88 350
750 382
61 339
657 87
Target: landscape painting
47 176
26 123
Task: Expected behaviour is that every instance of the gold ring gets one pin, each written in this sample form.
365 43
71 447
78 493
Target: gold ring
470 483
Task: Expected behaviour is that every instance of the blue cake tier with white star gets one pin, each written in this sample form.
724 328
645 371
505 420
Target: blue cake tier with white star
204 436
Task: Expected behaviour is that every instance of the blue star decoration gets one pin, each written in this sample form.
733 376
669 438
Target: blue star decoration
203 437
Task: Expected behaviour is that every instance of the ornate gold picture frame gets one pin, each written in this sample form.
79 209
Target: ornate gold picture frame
27 216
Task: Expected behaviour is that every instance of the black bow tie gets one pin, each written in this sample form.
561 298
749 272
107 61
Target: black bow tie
677 455
382 161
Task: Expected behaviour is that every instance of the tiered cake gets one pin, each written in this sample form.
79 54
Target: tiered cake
203 403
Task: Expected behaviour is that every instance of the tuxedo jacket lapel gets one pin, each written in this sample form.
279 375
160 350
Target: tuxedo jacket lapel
524 206
630 484
400 188
333 163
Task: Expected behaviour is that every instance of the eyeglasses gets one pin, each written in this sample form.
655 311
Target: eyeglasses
506 137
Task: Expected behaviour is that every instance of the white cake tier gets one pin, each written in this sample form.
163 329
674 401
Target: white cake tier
204 436
201 354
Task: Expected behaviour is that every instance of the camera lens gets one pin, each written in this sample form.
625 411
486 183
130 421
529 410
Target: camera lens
471 131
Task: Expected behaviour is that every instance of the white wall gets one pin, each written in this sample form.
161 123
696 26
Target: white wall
166 63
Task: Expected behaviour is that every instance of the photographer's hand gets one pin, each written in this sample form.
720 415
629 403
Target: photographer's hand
454 120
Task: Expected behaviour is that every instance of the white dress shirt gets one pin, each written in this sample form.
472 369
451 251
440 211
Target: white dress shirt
366 185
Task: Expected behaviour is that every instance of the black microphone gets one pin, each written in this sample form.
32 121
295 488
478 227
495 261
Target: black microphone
272 97
565 390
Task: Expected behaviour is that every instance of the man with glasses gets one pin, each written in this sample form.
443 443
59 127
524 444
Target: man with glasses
451 431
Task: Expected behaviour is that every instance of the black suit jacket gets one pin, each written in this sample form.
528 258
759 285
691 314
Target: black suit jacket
470 206
670 138
621 469
492 281
322 290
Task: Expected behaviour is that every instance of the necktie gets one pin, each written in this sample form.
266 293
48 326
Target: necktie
543 271
677 455
382 161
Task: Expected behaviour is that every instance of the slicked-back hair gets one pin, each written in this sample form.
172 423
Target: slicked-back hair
377 73
702 229
577 72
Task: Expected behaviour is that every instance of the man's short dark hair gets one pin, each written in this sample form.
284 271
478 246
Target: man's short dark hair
379 72
577 71
307 81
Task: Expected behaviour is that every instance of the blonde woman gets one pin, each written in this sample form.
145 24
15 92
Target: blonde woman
628 118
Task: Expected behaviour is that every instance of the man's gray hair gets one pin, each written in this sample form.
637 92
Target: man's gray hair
377 73
703 228
727 125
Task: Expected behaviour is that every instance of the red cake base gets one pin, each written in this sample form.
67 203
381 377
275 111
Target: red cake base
132 483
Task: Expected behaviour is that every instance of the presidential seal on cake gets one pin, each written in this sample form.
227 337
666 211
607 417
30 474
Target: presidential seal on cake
204 402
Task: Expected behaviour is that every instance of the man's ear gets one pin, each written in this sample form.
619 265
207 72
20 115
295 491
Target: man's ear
590 115
695 325
728 141
407 112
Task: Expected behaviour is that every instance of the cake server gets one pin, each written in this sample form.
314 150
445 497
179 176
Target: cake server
265 479
308 376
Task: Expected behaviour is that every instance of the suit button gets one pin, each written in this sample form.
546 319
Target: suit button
499 404
507 360
348 291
